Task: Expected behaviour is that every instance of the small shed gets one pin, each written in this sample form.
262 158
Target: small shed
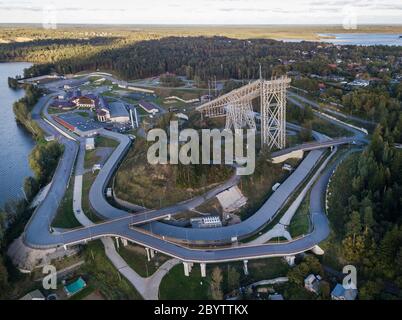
90 144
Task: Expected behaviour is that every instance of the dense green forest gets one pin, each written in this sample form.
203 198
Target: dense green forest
365 212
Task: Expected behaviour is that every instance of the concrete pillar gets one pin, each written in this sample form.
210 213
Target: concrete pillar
290 260
124 242
187 268
148 256
152 253
117 243
65 247
245 267
203 270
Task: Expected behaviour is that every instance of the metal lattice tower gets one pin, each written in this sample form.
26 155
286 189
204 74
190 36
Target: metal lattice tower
236 106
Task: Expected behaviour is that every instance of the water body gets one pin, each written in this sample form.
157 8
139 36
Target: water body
364 39
15 142
358 39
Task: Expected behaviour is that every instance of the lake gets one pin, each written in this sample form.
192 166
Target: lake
363 39
15 142
359 39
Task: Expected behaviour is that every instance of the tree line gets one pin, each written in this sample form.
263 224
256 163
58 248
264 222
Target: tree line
365 212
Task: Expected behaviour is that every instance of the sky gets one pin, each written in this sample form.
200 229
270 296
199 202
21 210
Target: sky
201 11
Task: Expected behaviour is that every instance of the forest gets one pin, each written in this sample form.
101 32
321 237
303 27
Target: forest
365 213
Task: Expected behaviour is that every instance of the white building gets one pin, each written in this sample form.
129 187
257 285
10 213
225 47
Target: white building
206 222
90 144
312 283
118 113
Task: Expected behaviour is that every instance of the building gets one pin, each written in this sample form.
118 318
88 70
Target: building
312 283
85 101
90 144
84 127
148 107
340 293
118 113
206 222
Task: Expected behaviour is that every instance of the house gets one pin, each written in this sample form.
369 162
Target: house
85 102
312 283
341 293
90 144
148 107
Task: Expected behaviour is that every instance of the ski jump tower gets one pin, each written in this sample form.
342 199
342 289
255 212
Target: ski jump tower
237 107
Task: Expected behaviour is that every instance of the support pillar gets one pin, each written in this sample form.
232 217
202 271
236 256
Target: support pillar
124 242
152 253
187 268
245 267
117 243
203 270
290 260
148 256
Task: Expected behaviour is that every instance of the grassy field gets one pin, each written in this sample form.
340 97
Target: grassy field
91 159
105 142
87 181
136 258
177 286
161 185
300 223
65 216
103 276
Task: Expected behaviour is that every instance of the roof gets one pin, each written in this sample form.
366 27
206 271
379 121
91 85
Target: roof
347 294
275 297
118 109
147 105
77 121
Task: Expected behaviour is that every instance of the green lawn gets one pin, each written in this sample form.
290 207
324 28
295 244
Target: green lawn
91 159
176 286
136 258
87 181
103 276
300 223
65 215
105 142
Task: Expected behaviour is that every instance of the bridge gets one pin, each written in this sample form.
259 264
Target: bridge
237 107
